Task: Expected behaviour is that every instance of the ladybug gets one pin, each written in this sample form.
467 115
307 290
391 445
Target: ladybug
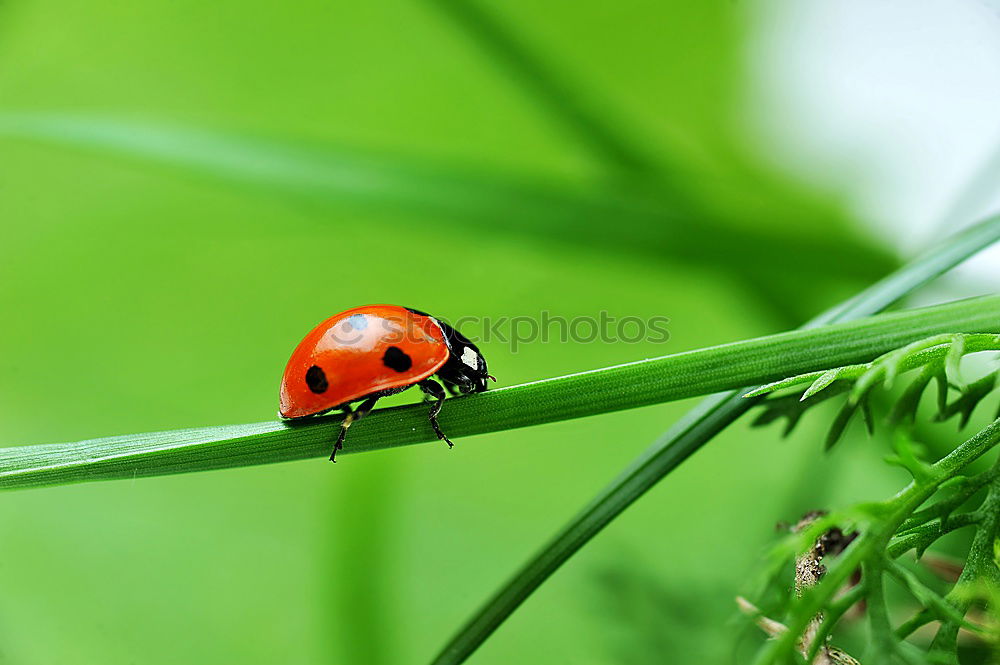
369 352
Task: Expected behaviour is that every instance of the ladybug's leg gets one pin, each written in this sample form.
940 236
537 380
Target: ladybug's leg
434 389
352 417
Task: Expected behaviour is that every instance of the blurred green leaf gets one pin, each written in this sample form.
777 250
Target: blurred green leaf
626 216
568 100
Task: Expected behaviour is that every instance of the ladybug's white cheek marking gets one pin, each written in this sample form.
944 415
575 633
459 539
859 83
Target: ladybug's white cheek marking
470 358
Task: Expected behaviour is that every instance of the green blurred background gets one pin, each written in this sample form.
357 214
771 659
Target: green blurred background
186 188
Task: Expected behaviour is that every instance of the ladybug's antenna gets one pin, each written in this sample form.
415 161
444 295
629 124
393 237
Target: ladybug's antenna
492 378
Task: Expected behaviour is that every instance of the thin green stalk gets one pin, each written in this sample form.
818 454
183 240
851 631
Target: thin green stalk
695 429
641 383
969 486
918 620
923 536
930 598
834 612
881 646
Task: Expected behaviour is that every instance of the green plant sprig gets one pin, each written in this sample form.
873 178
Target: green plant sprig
963 488
980 568
878 525
886 367
642 383
892 528
938 357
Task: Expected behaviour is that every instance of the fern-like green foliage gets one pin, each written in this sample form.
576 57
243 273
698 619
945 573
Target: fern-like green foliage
942 497
937 358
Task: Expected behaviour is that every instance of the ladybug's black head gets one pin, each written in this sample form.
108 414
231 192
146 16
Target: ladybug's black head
466 366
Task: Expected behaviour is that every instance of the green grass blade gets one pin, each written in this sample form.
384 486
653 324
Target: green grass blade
919 271
592 214
706 420
631 385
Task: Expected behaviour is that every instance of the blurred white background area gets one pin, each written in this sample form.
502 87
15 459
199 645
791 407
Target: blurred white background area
895 102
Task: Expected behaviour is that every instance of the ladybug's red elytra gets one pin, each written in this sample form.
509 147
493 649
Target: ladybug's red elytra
369 352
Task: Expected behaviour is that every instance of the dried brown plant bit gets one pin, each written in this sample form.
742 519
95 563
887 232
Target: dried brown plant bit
808 572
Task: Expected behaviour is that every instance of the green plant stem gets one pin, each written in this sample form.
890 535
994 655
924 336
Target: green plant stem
921 618
833 614
969 487
880 646
642 383
931 600
694 430
923 536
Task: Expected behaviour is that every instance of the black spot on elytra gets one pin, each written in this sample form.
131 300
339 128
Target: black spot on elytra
316 379
395 358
